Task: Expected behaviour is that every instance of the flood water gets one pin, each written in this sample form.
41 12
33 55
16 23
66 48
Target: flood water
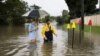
14 42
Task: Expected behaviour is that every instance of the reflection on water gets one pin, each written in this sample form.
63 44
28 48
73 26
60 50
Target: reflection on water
14 42
47 49
11 40
32 49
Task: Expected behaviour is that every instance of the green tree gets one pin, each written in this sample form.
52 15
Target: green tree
75 7
11 11
59 20
2 12
15 9
65 16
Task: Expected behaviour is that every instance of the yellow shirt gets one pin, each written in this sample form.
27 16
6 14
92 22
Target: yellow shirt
46 28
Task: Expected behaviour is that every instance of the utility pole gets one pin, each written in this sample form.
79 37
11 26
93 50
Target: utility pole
82 15
99 5
81 32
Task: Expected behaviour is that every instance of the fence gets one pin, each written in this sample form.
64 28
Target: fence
95 20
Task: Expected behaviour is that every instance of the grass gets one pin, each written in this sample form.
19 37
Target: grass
94 29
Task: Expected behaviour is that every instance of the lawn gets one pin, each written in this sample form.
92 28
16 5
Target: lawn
94 29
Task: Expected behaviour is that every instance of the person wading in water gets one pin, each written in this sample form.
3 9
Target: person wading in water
48 31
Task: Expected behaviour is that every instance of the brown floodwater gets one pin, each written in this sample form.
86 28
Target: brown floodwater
14 42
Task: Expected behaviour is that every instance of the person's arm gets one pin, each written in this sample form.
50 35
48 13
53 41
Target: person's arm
43 33
36 27
54 31
31 28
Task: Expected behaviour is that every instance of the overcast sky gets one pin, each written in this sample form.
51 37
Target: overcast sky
54 7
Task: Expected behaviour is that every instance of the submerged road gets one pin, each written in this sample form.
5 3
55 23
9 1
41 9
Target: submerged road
14 42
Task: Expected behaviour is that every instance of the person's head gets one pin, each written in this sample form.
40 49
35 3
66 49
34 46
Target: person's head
33 21
28 20
47 21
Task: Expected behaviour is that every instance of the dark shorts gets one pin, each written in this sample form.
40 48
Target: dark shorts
49 35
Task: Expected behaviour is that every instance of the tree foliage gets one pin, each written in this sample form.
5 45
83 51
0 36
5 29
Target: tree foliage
75 7
65 16
11 11
59 20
